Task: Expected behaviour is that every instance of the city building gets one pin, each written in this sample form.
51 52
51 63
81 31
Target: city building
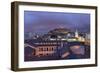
50 43
63 34
43 48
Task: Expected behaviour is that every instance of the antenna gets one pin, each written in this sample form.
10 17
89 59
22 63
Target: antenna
76 27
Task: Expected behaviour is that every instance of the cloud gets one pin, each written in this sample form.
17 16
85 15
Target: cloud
45 21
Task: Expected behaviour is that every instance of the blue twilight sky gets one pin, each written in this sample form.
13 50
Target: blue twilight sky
41 22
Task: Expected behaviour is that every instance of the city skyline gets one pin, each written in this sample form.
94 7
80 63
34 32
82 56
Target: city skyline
42 22
56 36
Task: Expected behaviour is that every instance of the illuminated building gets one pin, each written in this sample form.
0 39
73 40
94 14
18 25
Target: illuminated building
43 48
48 44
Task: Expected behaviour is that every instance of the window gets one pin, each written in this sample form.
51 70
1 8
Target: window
47 49
40 49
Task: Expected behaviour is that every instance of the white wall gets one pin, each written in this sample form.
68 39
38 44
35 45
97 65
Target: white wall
5 40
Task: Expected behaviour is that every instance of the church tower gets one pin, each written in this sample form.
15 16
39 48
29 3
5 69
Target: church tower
76 34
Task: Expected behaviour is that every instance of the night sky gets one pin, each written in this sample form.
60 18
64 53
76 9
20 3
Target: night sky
41 22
